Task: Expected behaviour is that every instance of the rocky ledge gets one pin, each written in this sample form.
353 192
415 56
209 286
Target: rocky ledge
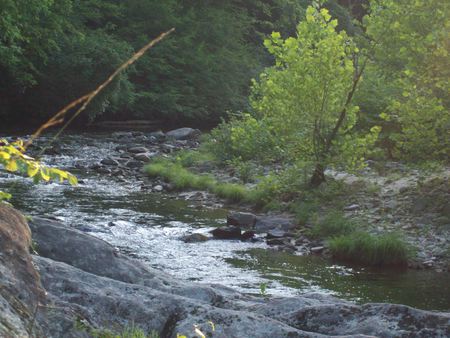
77 282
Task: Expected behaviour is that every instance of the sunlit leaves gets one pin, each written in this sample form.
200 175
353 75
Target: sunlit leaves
13 159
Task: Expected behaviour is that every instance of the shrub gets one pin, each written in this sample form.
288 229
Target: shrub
364 248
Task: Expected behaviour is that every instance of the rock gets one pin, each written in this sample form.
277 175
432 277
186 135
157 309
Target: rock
317 249
158 188
158 135
103 170
276 233
109 161
122 134
277 241
20 287
241 219
133 164
266 223
183 133
144 157
352 207
231 232
247 235
195 238
429 263
138 150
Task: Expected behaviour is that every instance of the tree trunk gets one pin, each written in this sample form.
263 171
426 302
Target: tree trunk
318 176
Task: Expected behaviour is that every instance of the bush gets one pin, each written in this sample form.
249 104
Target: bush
364 248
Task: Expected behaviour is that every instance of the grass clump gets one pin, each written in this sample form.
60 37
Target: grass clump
182 179
332 225
367 249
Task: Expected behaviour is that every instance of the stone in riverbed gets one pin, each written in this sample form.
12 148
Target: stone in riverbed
109 161
231 232
317 249
138 150
195 238
144 157
183 133
241 219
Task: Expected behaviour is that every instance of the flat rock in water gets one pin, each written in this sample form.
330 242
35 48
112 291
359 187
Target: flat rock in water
109 161
183 133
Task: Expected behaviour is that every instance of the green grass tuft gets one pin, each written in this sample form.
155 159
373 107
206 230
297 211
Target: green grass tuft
364 248
332 225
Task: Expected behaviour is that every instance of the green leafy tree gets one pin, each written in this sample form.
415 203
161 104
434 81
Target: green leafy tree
307 96
412 55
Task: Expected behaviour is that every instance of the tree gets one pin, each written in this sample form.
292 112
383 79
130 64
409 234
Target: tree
307 96
411 54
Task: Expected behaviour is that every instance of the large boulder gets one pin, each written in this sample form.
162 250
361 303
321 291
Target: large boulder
183 134
21 293
241 219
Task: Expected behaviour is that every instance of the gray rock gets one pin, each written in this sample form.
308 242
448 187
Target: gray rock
158 135
158 188
241 219
183 133
138 150
109 161
195 238
266 223
144 157
134 164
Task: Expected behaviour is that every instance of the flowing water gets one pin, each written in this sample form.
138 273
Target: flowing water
148 226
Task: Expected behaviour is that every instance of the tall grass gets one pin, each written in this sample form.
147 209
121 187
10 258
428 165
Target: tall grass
364 248
332 225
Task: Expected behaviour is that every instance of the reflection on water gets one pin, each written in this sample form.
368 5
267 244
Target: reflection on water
148 226
425 289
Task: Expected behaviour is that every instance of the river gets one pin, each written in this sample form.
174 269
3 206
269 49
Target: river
148 226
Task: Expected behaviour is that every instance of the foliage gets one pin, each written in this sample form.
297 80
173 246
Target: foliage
364 248
413 58
306 96
244 138
14 160
52 51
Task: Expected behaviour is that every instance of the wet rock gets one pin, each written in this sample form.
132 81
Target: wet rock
138 150
122 134
183 133
168 148
109 161
229 232
195 238
248 235
241 219
429 263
